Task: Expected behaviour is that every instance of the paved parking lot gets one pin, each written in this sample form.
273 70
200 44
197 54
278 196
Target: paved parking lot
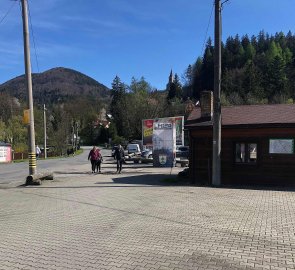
136 221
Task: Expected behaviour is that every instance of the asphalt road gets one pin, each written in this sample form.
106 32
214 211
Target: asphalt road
16 173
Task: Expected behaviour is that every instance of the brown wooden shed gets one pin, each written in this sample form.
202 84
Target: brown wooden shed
257 145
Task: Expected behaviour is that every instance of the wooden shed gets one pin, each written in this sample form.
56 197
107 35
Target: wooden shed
257 144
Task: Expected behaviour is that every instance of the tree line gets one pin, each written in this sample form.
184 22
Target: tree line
132 103
255 70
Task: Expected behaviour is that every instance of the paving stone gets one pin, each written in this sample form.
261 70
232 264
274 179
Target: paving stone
133 221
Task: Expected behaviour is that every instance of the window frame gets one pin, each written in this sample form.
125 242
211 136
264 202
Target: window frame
247 155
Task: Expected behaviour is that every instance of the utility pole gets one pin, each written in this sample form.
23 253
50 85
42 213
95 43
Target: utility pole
45 133
73 134
77 134
216 166
31 128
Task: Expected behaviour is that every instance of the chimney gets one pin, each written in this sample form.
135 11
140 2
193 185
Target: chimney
206 101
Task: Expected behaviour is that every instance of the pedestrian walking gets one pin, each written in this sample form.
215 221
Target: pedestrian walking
119 155
38 151
93 157
99 161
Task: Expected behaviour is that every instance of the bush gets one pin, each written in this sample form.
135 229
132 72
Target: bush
20 147
118 140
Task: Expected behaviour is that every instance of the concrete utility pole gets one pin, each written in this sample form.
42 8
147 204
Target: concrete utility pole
216 166
45 133
77 134
31 128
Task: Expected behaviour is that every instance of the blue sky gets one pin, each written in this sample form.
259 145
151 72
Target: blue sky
105 38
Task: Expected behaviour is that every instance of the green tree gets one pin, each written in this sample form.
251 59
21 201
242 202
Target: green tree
118 93
197 78
2 131
250 52
140 85
16 132
252 83
178 87
276 79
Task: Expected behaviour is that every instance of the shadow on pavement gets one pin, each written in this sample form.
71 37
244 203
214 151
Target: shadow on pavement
61 172
146 180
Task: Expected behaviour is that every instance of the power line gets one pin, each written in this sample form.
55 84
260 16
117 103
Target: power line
31 26
209 22
5 15
224 2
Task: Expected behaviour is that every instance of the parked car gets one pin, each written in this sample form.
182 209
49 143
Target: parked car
133 148
148 154
182 152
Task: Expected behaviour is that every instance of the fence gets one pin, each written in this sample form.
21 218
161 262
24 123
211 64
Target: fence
24 155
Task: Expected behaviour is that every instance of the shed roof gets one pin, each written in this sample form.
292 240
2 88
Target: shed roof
248 115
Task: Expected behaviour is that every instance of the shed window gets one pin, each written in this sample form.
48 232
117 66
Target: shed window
246 153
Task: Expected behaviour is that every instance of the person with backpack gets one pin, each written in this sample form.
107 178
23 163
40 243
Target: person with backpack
119 155
93 157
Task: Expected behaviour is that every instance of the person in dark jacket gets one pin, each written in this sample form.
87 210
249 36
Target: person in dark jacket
119 155
93 156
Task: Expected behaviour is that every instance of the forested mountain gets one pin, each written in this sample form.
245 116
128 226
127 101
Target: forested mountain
55 86
73 100
260 69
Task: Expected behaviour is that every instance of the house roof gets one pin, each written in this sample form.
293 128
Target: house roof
248 115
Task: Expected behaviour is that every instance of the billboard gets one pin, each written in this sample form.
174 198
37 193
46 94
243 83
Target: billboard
164 142
148 130
5 153
179 126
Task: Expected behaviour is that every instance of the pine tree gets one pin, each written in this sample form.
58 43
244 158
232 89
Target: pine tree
276 79
171 91
178 87
118 92
187 79
197 78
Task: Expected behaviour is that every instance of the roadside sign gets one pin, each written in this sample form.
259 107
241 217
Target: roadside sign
26 117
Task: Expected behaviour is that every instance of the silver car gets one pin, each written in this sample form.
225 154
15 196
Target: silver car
147 156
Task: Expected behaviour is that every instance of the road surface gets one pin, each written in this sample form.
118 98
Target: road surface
16 173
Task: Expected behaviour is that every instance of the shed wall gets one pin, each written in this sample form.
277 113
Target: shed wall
269 169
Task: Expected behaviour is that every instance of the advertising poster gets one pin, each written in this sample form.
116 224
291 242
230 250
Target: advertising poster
281 146
5 153
179 125
164 142
147 131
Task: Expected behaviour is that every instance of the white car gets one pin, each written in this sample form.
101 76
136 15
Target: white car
133 148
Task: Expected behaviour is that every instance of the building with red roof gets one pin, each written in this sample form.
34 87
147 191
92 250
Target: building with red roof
257 143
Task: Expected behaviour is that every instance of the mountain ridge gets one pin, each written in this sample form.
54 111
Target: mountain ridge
56 85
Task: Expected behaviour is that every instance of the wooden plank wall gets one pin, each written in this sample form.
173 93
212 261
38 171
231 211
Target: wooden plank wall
270 168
